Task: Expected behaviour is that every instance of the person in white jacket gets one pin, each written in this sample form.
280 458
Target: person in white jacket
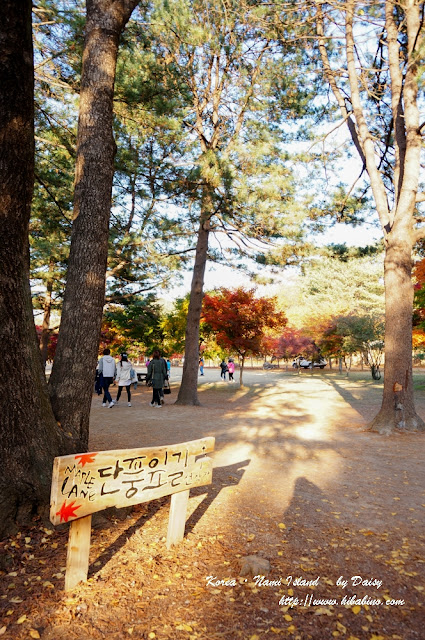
123 377
107 367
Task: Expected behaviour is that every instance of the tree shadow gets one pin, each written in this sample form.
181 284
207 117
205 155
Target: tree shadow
226 476
358 404
150 509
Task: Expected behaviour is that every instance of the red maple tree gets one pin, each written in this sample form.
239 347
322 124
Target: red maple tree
292 343
240 320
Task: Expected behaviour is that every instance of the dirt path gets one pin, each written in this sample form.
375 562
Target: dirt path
297 481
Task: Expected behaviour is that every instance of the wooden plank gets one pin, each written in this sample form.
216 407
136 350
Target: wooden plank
177 520
85 483
77 560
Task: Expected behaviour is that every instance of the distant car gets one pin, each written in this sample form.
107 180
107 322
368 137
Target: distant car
270 365
303 363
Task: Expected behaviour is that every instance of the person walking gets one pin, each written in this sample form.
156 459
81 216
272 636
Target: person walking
168 363
231 369
223 367
123 377
161 391
107 369
201 366
157 372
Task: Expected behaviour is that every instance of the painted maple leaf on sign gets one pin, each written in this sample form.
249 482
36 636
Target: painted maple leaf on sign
68 511
86 458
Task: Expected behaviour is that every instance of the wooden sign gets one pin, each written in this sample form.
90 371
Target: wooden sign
88 482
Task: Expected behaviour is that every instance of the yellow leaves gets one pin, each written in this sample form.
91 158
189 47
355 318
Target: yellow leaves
21 619
34 633
281 525
307 569
353 638
418 588
3 630
276 630
291 629
254 637
356 609
376 637
151 635
48 584
183 627
341 627
287 617
323 611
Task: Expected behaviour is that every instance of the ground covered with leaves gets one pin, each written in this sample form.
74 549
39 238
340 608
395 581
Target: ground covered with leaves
338 513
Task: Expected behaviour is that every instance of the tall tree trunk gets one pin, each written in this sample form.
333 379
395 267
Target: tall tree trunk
241 371
29 435
71 381
398 224
188 392
398 408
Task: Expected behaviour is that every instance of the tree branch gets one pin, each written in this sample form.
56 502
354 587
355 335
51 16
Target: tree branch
365 136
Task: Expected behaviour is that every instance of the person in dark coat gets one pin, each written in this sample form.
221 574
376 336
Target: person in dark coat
157 372
224 369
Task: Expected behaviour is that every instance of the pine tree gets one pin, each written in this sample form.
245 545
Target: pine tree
375 78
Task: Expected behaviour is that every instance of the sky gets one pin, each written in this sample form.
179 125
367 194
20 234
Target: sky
217 275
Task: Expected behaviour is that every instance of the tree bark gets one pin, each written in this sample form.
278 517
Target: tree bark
241 371
71 381
398 408
397 411
188 392
29 435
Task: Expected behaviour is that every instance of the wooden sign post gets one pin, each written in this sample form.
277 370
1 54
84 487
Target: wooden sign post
88 482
